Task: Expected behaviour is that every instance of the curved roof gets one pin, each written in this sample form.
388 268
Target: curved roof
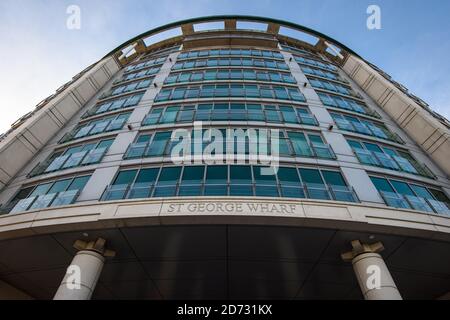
233 17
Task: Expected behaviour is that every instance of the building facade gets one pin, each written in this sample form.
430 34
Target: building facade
361 177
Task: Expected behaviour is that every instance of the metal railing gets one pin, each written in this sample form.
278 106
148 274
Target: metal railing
285 149
397 163
43 201
265 189
232 115
90 130
370 130
77 159
416 203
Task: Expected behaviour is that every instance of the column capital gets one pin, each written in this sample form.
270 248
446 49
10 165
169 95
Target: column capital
360 248
98 246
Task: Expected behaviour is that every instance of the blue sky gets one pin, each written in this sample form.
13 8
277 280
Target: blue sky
39 53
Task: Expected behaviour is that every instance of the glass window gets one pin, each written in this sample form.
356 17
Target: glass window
191 182
22 194
265 181
170 115
402 188
314 184
290 185
373 147
255 112
143 138
159 144
413 201
272 114
187 114
300 144
289 114
381 184
125 177
59 186
421 191
142 187
73 150
333 178
216 181
167 182
105 144
41 189
337 186
389 195
78 183
441 196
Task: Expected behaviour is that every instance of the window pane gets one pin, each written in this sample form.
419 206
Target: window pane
265 185
314 184
381 184
216 181
78 183
288 176
192 181
193 174
441 196
159 143
23 194
311 176
241 181
41 189
144 138
216 174
169 175
125 177
421 191
167 182
300 144
269 176
402 188
333 178
240 174
105 144
147 175
290 184
59 186
143 185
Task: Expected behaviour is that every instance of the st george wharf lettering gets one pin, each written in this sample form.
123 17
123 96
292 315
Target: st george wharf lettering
228 207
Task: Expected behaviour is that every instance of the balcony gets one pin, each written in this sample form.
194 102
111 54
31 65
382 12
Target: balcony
285 149
83 158
272 116
283 190
396 163
323 151
43 201
367 129
416 203
90 130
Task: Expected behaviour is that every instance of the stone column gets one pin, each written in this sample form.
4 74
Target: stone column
84 271
373 276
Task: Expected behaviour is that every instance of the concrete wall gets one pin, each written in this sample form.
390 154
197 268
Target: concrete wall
21 145
431 135
355 173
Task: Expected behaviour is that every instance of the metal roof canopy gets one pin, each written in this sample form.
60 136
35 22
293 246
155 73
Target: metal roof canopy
283 23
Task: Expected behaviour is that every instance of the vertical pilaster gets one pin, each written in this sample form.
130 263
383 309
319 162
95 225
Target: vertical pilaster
373 275
84 271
